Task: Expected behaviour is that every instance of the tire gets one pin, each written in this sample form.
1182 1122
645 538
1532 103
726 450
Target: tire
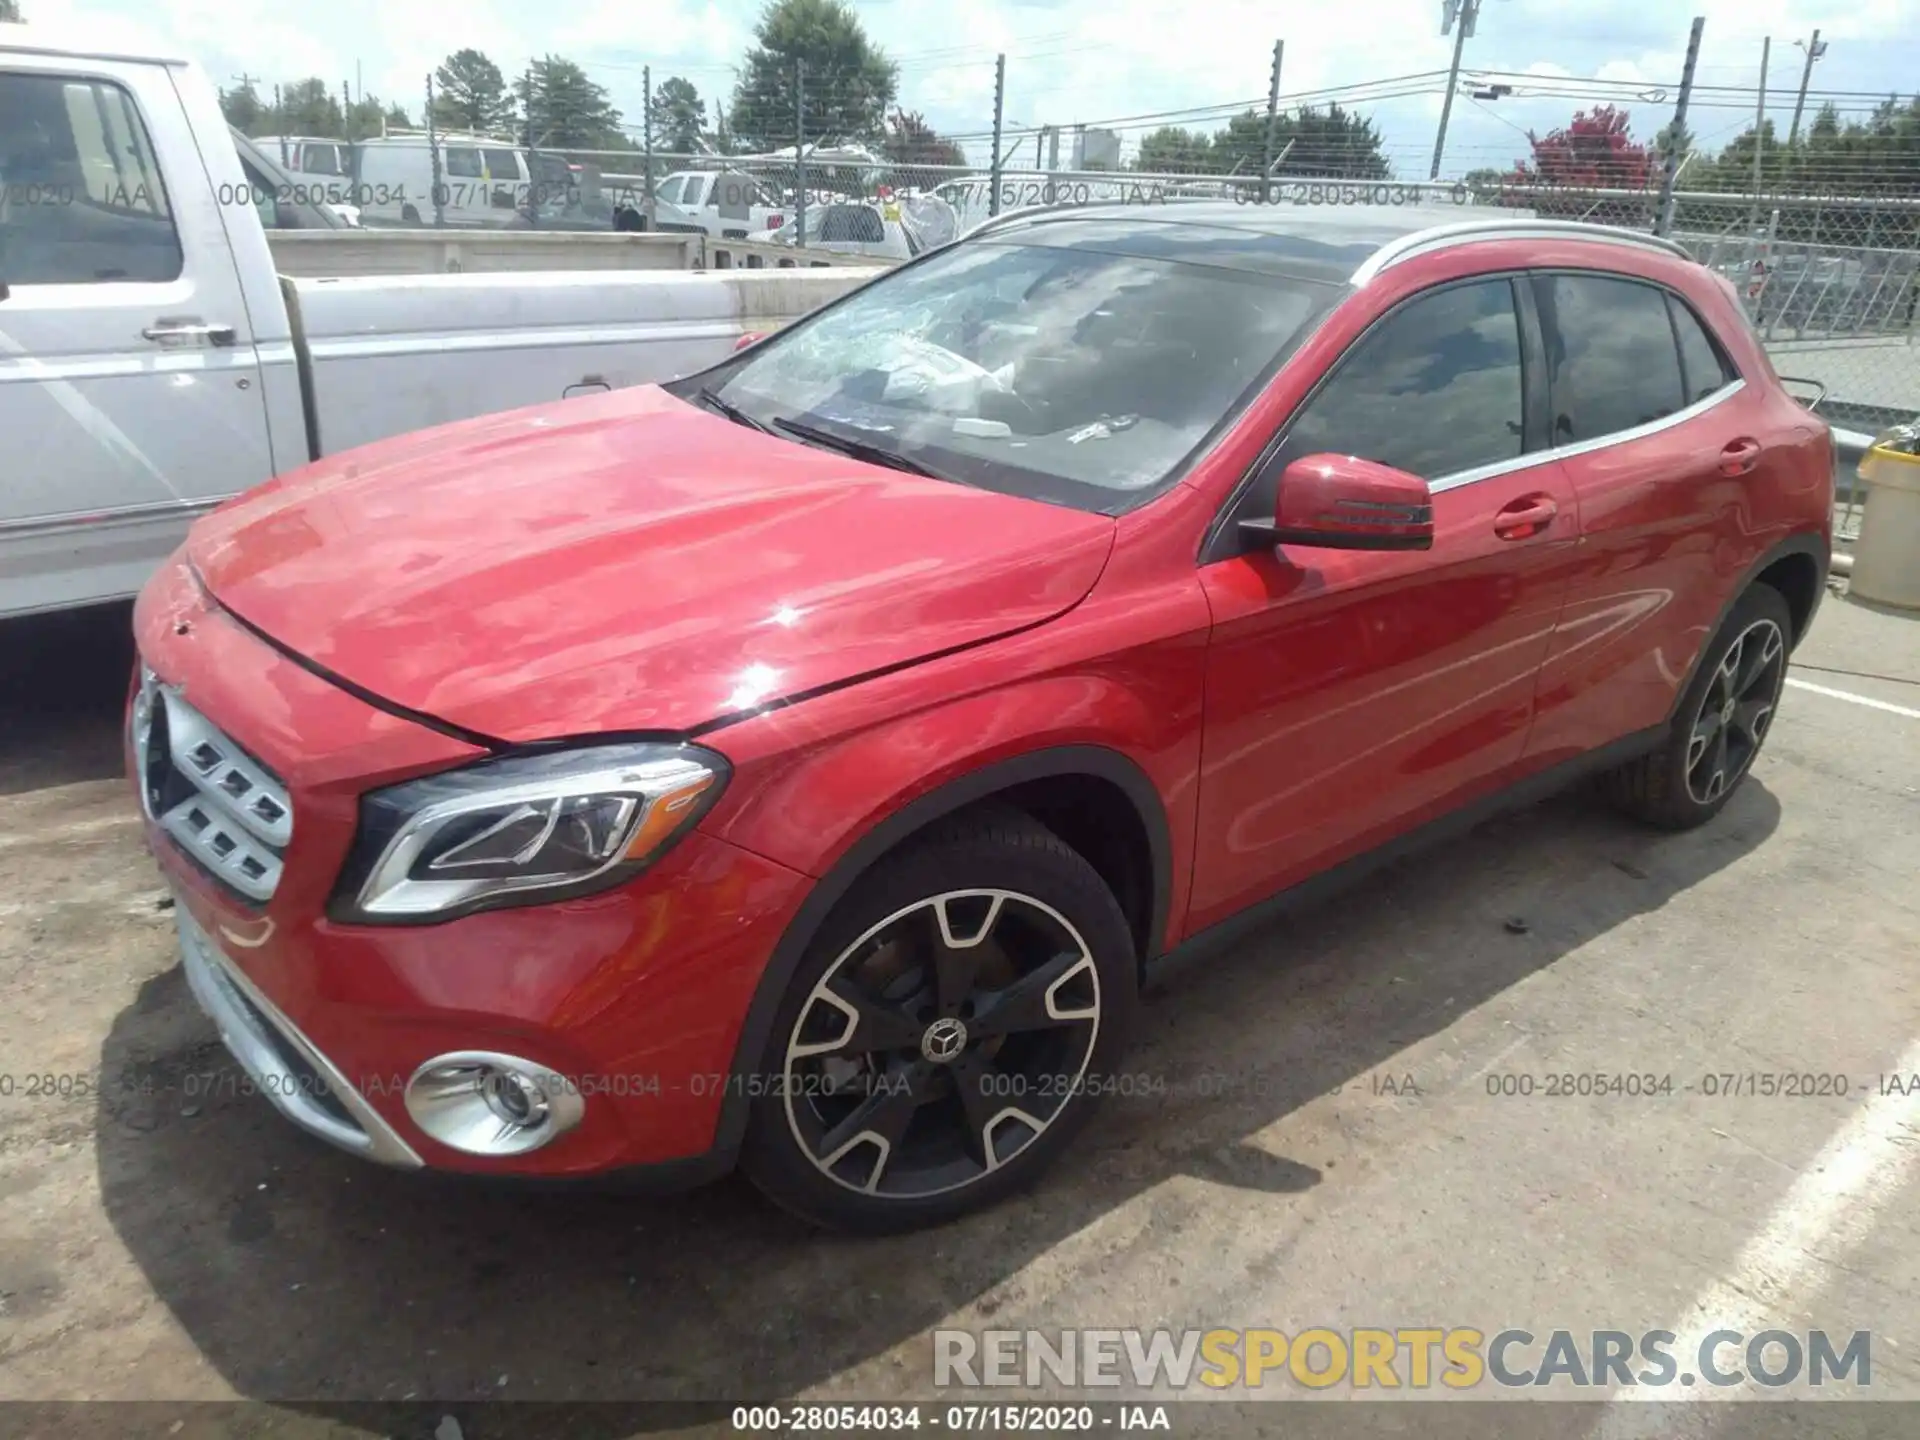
410 214
946 1034
1720 724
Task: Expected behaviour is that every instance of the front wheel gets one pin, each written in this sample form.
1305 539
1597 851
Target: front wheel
947 1034
1721 723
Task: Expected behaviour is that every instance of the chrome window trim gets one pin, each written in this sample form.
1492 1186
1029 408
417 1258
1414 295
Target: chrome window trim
1467 232
1587 447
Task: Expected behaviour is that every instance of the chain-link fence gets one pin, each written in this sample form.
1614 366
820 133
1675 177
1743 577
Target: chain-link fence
1831 282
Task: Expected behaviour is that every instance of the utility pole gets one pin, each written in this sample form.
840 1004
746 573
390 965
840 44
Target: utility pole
1815 49
433 156
346 110
999 103
1759 132
800 146
646 142
246 83
1670 162
1273 124
1458 15
280 123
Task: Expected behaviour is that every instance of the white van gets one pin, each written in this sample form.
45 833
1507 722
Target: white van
484 182
309 155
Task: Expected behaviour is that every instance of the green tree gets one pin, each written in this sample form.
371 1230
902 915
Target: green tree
849 82
309 107
568 111
1176 151
369 115
678 115
470 93
10 10
241 105
1333 144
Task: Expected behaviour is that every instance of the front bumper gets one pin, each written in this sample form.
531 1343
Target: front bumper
636 995
283 1064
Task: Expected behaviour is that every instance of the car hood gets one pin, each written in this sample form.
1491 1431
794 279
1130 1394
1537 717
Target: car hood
627 562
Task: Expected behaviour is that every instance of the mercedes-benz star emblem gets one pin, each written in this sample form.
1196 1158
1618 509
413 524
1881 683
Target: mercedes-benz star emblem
943 1041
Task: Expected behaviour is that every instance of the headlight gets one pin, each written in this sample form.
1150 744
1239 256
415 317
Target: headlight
524 830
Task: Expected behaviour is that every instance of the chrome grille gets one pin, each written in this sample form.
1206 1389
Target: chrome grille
218 803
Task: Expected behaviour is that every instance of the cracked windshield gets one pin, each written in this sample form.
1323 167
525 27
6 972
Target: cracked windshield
1017 367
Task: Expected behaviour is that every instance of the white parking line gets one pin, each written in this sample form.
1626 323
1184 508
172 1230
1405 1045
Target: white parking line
1868 701
1825 1214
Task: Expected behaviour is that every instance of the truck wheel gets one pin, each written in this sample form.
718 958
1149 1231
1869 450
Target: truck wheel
947 1032
409 214
1720 724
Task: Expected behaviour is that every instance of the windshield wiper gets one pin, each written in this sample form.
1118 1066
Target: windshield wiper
858 449
732 411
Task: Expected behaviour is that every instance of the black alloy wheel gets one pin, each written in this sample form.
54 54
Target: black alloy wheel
1720 723
939 1046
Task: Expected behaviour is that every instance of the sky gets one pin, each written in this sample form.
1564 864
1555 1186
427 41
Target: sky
1123 61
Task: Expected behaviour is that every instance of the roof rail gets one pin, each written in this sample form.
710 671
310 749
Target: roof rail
1441 237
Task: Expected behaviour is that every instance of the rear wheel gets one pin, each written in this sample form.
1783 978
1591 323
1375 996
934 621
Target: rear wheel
1721 722
946 1035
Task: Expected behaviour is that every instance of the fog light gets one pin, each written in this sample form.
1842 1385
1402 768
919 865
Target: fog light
481 1103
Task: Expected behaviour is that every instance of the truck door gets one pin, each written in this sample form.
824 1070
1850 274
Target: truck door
130 387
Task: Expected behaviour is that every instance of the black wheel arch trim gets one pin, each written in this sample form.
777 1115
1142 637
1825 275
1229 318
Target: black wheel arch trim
1801 543
886 836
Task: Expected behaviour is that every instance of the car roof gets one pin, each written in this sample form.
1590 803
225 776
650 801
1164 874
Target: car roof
1329 244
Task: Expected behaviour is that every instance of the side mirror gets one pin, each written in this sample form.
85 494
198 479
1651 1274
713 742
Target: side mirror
1340 502
752 337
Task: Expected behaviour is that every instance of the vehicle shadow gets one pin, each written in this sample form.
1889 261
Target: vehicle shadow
312 1280
63 688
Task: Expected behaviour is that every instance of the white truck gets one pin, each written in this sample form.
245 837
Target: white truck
726 204
156 358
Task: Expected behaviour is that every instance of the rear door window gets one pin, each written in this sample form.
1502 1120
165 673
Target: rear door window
1702 365
1612 361
463 162
1434 390
81 198
503 165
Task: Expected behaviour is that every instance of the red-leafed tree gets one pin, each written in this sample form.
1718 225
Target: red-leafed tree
1592 151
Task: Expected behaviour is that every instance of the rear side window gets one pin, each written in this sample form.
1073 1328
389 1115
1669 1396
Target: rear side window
1612 362
857 223
1435 390
503 165
1702 367
463 162
322 160
81 199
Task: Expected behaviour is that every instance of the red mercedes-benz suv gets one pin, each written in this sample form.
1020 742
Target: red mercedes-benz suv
797 764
